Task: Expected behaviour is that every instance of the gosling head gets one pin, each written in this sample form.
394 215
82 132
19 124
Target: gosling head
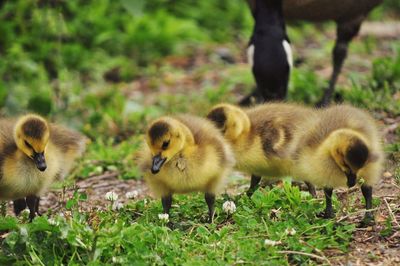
31 135
231 120
166 137
350 153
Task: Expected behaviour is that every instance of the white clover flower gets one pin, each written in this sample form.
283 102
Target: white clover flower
98 170
53 222
117 206
23 231
164 217
116 260
132 194
25 212
112 168
111 196
229 207
290 231
269 242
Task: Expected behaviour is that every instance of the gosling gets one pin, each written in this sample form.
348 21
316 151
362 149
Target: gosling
339 148
328 148
185 154
262 138
33 154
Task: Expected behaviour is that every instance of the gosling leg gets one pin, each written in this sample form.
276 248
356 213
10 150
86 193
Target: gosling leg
33 205
328 213
254 184
166 203
19 206
210 200
367 193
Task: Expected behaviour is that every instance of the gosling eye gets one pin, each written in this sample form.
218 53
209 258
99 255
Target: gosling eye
165 145
28 145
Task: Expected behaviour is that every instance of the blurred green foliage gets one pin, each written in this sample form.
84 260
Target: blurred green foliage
59 58
39 38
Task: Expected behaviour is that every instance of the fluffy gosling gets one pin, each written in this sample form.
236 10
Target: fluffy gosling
338 148
261 137
33 153
185 154
328 148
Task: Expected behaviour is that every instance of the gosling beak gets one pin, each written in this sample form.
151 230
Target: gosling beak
351 179
40 161
158 162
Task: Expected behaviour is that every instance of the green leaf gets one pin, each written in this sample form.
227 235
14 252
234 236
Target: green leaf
8 223
71 203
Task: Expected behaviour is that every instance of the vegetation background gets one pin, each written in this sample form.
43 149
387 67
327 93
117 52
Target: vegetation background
108 67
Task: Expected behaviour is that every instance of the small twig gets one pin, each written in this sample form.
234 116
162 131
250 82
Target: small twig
391 213
396 234
369 238
348 191
362 229
391 197
304 254
394 184
353 213
314 248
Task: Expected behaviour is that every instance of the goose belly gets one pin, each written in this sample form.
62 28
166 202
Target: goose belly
254 161
321 173
24 179
184 183
190 179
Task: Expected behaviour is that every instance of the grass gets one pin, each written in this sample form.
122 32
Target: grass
135 234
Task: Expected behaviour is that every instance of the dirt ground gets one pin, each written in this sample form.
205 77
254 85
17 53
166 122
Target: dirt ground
368 247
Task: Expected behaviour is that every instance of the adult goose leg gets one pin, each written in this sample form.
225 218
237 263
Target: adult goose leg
345 31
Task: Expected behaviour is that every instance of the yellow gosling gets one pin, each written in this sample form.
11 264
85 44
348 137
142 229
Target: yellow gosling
262 138
338 149
185 154
33 153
